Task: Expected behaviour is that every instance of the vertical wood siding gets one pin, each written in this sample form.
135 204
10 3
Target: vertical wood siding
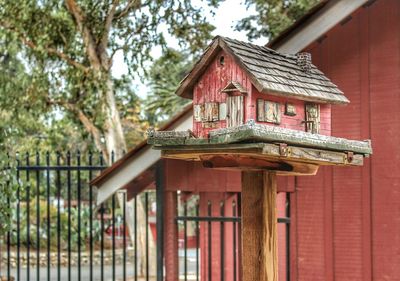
209 86
348 219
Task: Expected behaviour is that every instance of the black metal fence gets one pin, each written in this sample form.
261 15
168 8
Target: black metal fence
58 233
219 221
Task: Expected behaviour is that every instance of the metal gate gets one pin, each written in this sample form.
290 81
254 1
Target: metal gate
58 233
221 217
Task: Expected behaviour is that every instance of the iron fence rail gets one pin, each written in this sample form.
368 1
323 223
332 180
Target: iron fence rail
209 220
56 222
59 234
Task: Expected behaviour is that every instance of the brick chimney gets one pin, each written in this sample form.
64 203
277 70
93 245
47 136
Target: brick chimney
304 61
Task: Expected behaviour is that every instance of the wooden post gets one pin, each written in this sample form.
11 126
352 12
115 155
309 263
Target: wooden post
171 236
259 226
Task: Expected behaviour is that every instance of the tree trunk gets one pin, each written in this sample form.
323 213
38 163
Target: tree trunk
115 142
114 135
96 50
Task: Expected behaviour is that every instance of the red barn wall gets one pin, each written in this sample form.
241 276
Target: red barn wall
215 186
346 221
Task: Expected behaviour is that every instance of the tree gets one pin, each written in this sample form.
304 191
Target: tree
69 46
273 16
164 77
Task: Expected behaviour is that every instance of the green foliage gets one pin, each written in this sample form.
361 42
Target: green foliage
8 185
273 16
56 62
164 76
43 230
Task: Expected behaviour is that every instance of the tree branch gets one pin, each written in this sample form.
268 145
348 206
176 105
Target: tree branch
108 23
49 50
87 35
131 4
86 122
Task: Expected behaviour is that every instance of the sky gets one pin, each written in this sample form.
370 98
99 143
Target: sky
228 13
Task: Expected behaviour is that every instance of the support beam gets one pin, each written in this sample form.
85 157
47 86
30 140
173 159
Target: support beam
160 189
259 226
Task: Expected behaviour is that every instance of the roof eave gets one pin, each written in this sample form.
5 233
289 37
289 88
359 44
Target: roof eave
304 97
185 89
109 172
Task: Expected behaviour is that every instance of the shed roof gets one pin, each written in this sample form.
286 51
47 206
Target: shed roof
270 72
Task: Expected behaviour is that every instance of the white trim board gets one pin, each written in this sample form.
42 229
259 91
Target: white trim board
329 16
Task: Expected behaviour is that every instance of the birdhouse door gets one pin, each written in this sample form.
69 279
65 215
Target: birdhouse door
235 110
312 118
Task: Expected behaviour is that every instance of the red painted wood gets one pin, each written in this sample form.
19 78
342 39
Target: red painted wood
217 76
281 202
310 238
345 221
384 56
347 218
192 177
365 134
290 122
209 86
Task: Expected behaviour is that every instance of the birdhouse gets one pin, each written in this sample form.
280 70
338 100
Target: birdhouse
247 94
235 82
266 114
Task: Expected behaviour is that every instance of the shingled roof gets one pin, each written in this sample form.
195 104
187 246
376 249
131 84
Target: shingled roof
270 72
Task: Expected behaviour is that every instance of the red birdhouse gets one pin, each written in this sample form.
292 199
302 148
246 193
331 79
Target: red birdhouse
235 82
260 109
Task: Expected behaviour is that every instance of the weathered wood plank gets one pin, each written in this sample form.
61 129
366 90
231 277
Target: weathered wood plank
268 152
259 227
253 131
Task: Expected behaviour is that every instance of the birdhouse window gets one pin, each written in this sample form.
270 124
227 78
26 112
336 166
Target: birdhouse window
222 60
290 109
268 111
211 111
207 112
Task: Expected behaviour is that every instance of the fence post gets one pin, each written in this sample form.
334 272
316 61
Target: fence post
160 189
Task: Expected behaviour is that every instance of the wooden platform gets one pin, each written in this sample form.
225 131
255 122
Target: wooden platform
286 160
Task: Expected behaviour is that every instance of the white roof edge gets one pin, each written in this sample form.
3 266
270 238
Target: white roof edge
137 165
322 22
315 28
